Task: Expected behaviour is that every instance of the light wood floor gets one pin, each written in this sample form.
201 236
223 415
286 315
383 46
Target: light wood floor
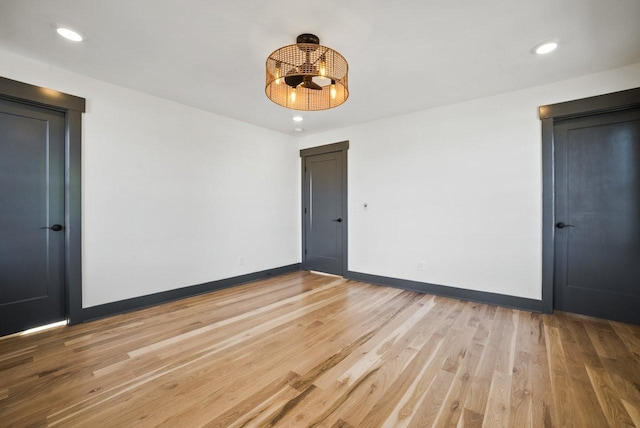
310 350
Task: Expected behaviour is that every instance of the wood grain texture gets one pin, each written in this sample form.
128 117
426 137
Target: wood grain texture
310 350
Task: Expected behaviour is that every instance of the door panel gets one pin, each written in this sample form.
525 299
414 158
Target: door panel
31 197
597 267
323 200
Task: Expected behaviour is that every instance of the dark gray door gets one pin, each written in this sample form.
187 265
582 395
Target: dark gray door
324 188
31 199
597 235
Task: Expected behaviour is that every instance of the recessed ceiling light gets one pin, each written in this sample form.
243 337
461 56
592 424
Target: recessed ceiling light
69 34
298 118
298 129
545 48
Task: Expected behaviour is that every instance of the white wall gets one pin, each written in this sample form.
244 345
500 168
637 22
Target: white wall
458 187
172 195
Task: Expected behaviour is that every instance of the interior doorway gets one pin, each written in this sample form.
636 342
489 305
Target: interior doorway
324 208
40 240
592 206
32 216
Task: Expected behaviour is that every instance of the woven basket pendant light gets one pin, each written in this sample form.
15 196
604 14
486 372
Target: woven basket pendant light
307 76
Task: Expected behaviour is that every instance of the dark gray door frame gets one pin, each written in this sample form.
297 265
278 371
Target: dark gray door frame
341 147
549 115
72 107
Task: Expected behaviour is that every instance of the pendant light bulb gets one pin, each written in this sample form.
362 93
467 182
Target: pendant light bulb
293 95
278 72
323 66
333 90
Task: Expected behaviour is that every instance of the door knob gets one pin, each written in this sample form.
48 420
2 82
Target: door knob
55 227
339 220
561 225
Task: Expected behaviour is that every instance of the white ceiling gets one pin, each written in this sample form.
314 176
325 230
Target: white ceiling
404 55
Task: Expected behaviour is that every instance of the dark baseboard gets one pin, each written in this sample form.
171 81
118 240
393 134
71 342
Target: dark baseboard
121 306
457 293
128 305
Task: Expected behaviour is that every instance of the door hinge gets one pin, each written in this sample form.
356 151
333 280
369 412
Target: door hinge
305 210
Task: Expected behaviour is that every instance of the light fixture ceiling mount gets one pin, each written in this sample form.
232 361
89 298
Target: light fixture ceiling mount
307 76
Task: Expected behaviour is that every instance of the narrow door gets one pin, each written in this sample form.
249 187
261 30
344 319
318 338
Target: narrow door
323 212
31 216
597 235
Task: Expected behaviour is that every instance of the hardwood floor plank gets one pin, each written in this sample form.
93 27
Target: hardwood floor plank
633 410
624 375
470 419
520 412
427 344
432 401
420 342
341 354
220 324
386 331
606 342
611 405
542 405
430 390
561 386
476 400
368 375
497 411
373 356
309 350
577 358
317 353
451 410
